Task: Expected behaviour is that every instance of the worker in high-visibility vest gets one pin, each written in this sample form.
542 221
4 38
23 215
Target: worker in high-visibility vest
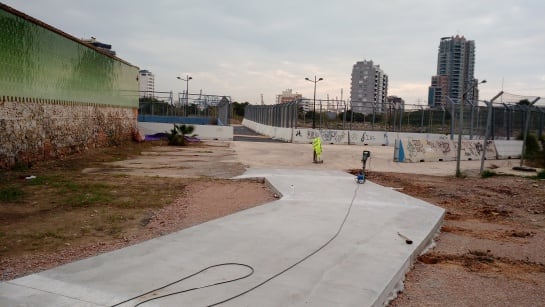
317 149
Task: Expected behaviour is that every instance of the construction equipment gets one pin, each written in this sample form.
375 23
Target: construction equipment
366 155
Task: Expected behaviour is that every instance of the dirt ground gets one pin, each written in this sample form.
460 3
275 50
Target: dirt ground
491 249
106 199
490 252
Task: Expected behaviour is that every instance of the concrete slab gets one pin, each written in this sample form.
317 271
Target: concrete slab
327 242
344 157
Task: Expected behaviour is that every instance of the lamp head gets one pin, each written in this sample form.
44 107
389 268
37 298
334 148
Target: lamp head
189 78
320 79
178 78
307 79
484 81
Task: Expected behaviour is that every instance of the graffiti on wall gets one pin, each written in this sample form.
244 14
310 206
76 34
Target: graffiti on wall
441 146
475 149
312 134
367 137
333 135
414 148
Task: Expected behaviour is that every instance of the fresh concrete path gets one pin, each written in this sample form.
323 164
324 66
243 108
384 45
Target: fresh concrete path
361 266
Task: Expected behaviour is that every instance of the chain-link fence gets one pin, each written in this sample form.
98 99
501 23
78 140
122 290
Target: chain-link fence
508 117
183 108
278 115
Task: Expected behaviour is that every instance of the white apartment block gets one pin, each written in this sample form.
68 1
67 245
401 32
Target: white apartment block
369 88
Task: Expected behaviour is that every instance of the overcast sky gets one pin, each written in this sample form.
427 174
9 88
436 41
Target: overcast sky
245 48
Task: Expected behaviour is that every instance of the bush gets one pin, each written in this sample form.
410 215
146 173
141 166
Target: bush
176 137
10 194
532 146
487 174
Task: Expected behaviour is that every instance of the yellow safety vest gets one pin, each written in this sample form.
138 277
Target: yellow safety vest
317 145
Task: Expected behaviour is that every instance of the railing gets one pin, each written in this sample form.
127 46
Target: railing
183 108
508 117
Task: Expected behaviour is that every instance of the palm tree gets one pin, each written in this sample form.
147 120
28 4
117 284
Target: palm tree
176 137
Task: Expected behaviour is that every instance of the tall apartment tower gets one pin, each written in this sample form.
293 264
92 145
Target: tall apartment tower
146 82
455 72
369 88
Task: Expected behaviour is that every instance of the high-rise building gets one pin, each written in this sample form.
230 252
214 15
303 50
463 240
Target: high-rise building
455 71
369 88
147 83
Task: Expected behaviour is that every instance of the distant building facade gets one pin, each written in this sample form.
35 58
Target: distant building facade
455 72
288 96
369 88
147 83
395 103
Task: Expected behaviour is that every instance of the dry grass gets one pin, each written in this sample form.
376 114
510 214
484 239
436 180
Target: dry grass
64 207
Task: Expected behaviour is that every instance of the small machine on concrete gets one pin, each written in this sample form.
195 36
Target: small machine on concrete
366 155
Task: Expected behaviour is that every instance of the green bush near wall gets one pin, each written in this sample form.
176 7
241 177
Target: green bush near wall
36 62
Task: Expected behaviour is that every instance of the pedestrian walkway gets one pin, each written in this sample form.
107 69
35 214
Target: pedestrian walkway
327 241
245 134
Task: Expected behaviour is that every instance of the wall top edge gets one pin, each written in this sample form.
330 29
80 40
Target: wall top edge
59 101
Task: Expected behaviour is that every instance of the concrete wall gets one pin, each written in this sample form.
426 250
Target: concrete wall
330 136
508 149
410 147
57 94
42 62
422 150
34 131
204 132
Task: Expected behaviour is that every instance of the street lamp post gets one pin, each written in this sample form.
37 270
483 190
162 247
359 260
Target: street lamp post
187 78
461 129
314 101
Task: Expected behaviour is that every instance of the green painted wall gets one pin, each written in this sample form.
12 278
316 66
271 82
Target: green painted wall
36 62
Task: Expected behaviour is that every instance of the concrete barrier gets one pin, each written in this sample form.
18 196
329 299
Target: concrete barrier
373 138
508 149
328 136
410 147
472 150
283 134
422 150
203 132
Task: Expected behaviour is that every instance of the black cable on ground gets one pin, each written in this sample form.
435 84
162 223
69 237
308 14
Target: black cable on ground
192 289
300 261
244 265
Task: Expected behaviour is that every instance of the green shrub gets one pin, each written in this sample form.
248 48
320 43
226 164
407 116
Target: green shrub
11 194
532 146
176 135
487 174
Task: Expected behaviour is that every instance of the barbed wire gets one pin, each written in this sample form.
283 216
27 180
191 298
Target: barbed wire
510 98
